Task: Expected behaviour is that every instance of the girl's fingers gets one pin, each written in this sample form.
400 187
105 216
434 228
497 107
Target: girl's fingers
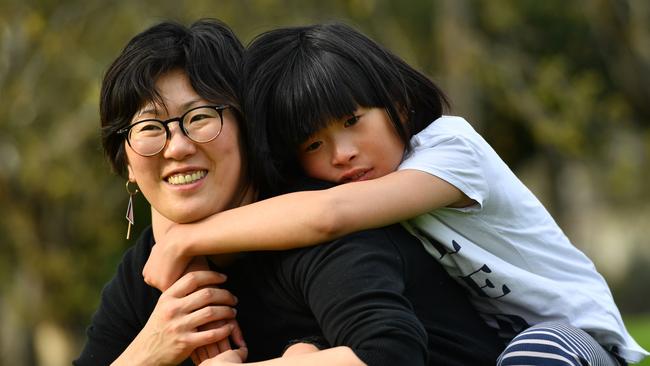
237 336
203 352
192 281
197 356
213 349
223 345
229 357
241 354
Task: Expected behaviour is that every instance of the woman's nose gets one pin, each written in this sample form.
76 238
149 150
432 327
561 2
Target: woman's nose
179 146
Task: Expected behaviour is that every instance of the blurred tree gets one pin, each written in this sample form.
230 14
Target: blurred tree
60 238
557 86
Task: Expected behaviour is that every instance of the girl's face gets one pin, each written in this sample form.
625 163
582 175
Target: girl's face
365 146
214 168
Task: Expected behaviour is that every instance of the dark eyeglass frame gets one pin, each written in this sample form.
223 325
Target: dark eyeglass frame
218 107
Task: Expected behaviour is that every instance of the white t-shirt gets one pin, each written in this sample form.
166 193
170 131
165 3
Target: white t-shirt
507 250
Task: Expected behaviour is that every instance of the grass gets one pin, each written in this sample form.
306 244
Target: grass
639 328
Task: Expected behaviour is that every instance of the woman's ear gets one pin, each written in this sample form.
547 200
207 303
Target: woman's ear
131 174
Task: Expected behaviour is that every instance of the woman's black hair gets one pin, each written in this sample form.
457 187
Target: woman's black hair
207 51
299 79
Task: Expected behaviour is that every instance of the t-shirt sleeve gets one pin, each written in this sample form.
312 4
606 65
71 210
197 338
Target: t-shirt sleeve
355 289
125 304
451 155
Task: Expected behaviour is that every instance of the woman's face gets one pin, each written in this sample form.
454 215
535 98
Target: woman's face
215 169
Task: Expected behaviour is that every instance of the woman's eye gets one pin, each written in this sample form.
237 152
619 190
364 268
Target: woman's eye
313 146
150 127
202 118
351 122
199 117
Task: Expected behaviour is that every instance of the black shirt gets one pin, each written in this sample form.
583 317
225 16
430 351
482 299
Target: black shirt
376 291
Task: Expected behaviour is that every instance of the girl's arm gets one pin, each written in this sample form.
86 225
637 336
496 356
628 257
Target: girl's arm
301 219
337 356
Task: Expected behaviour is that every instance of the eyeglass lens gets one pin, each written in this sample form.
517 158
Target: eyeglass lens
201 125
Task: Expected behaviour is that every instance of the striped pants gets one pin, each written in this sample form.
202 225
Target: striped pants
555 344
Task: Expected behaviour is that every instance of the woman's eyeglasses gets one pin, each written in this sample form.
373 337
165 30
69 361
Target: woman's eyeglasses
200 124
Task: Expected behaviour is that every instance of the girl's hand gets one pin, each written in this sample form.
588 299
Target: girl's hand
166 262
235 356
172 331
300 349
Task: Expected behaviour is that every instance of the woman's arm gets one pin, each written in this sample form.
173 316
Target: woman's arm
137 325
159 225
170 335
300 219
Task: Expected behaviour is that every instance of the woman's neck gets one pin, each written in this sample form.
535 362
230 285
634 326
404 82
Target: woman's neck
161 224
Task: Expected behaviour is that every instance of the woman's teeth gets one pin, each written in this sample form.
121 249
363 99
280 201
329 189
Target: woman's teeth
186 178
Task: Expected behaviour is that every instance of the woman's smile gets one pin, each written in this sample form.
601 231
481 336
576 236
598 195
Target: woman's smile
186 178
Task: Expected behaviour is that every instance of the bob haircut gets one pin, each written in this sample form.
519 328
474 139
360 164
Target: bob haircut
209 53
299 79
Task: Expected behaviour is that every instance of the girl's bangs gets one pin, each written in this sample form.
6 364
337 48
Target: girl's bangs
324 89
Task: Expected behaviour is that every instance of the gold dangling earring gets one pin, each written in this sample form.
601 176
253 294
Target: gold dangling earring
129 208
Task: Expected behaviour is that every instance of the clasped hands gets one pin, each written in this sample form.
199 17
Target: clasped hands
193 317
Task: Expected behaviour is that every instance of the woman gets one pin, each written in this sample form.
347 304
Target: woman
171 123
165 334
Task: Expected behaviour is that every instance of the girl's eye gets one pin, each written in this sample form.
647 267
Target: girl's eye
351 122
313 146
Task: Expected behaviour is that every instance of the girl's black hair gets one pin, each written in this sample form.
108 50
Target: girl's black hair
207 51
299 79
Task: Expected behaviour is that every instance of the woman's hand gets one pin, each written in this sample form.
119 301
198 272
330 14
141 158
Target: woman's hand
210 350
173 329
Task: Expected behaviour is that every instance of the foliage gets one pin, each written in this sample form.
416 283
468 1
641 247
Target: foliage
639 327
550 82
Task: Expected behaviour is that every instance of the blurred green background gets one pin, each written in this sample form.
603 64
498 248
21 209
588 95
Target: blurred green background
559 88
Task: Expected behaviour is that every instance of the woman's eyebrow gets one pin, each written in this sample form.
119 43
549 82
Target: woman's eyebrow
147 109
152 109
189 104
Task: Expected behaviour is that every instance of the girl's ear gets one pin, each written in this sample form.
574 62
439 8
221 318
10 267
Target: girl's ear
405 114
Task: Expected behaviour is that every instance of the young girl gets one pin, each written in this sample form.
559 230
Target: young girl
327 101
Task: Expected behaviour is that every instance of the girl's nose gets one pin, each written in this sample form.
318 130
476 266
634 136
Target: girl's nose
179 146
344 153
